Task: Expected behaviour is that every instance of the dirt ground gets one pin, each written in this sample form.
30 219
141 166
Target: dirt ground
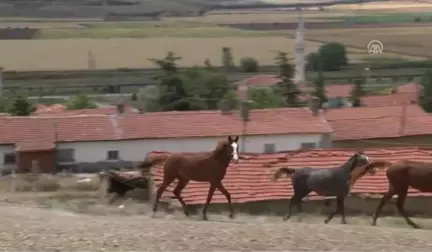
56 227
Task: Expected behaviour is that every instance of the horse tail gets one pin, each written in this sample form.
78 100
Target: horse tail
288 171
152 160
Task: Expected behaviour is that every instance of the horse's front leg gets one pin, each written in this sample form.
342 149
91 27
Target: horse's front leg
209 197
341 203
340 208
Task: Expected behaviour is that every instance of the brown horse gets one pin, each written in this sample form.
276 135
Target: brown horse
402 175
204 167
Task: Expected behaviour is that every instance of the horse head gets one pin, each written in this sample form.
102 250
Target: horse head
358 159
229 148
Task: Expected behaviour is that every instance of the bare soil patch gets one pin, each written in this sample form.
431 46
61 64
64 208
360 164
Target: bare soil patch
26 228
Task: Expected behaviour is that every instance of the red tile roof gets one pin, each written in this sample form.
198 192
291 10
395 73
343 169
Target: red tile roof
379 122
213 123
333 91
35 145
249 180
43 130
409 88
157 125
389 100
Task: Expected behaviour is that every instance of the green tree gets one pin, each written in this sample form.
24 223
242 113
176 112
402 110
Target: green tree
249 64
80 101
313 62
333 56
426 94
319 89
20 106
265 98
148 99
168 64
286 86
208 86
172 87
227 59
3 105
357 93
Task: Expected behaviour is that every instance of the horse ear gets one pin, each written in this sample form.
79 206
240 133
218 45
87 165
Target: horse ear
229 139
236 139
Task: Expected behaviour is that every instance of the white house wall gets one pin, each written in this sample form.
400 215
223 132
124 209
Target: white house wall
136 150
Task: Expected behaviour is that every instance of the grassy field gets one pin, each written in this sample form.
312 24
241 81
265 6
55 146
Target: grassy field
403 40
134 53
65 45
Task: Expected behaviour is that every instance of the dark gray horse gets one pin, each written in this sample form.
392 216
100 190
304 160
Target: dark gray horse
335 181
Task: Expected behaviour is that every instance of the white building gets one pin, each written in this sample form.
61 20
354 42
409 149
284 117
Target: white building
71 140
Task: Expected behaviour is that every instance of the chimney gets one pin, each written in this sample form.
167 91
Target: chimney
225 107
314 105
120 108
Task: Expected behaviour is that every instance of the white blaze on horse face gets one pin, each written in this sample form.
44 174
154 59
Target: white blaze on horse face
366 158
235 154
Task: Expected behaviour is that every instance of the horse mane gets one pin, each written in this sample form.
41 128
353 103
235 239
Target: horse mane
220 147
350 164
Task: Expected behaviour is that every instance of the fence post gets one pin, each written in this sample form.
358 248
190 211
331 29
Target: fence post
13 182
150 186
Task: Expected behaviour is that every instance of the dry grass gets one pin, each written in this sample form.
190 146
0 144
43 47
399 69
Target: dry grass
404 40
47 183
134 53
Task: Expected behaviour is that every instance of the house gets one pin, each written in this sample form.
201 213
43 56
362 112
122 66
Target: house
249 180
383 126
338 93
82 140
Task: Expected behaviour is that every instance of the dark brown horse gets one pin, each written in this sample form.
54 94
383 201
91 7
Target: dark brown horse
204 167
402 175
336 181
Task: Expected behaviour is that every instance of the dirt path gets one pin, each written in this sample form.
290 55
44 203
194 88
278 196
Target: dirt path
25 228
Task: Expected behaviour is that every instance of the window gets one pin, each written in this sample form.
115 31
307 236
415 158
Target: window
269 148
65 155
112 155
9 158
308 145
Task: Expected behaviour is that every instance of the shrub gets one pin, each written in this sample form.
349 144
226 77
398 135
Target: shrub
249 65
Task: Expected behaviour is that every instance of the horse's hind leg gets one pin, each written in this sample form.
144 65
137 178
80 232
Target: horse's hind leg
400 207
177 192
382 203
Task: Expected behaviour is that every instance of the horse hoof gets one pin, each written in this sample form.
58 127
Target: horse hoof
326 221
205 218
374 224
231 216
